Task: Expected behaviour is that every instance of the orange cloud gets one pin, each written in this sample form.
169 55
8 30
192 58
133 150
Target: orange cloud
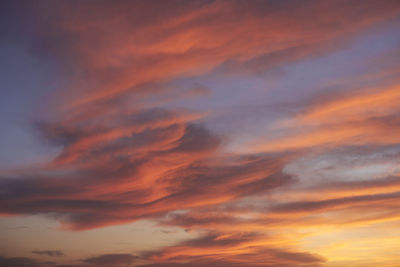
363 119
125 49
135 167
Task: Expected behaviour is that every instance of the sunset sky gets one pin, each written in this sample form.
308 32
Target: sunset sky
226 133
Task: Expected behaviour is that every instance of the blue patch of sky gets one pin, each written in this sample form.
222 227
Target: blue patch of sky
25 83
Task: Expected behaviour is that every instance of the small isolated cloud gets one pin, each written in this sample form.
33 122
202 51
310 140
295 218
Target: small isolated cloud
51 253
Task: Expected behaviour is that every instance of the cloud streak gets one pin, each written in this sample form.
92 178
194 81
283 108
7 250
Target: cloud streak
121 183
51 253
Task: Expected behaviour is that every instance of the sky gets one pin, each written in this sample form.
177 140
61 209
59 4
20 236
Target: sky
199 133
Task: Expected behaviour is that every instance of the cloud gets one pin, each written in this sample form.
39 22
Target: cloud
19 262
326 205
216 264
233 249
122 160
371 118
112 260
136 166
51 253
101 260
358 187
193 38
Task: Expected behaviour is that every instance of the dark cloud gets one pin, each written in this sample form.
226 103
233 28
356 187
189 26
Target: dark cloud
297 257
51 253
19 262
112 260
215 240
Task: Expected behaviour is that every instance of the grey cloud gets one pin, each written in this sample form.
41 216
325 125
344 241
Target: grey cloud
51 253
